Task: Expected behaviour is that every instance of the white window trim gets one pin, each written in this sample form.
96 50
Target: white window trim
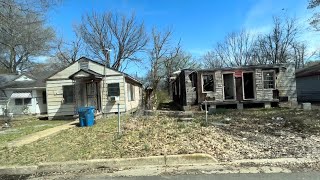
202 83
274 79
130 91
23 102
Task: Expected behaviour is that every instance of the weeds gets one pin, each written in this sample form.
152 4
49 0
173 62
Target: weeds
146 147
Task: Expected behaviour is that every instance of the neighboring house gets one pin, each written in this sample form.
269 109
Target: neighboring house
308 84
22 94
89 83
238 86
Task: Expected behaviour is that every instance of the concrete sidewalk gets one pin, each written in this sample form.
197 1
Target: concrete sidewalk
41 134
155 165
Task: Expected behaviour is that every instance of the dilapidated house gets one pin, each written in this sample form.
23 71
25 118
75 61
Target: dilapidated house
239 86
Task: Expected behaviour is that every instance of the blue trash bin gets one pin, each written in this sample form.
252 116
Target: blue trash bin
90 116
82 116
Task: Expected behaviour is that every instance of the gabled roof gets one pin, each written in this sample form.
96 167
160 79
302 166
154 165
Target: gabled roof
99 63
9 81
309 71
91 73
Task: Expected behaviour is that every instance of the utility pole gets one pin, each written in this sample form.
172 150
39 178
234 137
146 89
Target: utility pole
119 131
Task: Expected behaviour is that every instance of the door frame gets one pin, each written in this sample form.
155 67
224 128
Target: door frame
234 87
254 87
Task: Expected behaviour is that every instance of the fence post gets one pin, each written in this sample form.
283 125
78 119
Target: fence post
206 108
119 131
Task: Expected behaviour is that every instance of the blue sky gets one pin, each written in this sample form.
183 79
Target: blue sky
199 24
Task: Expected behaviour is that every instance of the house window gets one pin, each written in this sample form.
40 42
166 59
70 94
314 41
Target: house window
68 94
27 101
44 97
207 83
22 101
268 80
113 89
18 102
130 90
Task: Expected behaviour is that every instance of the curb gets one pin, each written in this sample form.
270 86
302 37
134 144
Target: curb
50 167
278 161
156 161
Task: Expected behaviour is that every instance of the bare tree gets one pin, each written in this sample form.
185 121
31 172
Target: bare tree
299 54
276 47
23 35
212 60
161 55
68 53
121 34
235 50
180 60
314 21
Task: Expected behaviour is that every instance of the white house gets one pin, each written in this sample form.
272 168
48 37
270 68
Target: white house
22 94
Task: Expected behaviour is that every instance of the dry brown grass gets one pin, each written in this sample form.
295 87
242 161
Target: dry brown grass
247 134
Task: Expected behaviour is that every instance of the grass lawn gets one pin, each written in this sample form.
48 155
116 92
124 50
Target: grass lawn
252 133
23 126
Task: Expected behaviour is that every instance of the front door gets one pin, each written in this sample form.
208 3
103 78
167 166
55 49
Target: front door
92 93
248 85
229 90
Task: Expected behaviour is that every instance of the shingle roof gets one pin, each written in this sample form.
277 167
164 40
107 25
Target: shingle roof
90 72
87 59
309 71
8 80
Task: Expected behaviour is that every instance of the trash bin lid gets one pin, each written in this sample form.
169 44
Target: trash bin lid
82 109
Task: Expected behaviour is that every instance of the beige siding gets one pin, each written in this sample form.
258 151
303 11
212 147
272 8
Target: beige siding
110 106
55 101
55 104
100 69
133 104
64 74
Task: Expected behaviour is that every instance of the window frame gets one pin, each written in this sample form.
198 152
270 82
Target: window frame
15 102
274 78
112 95
63 94
202 82
132 90
23 102
44 97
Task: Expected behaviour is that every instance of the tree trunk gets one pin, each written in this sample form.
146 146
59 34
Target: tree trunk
13 65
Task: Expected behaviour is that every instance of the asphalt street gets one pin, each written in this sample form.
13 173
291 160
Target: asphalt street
261 176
